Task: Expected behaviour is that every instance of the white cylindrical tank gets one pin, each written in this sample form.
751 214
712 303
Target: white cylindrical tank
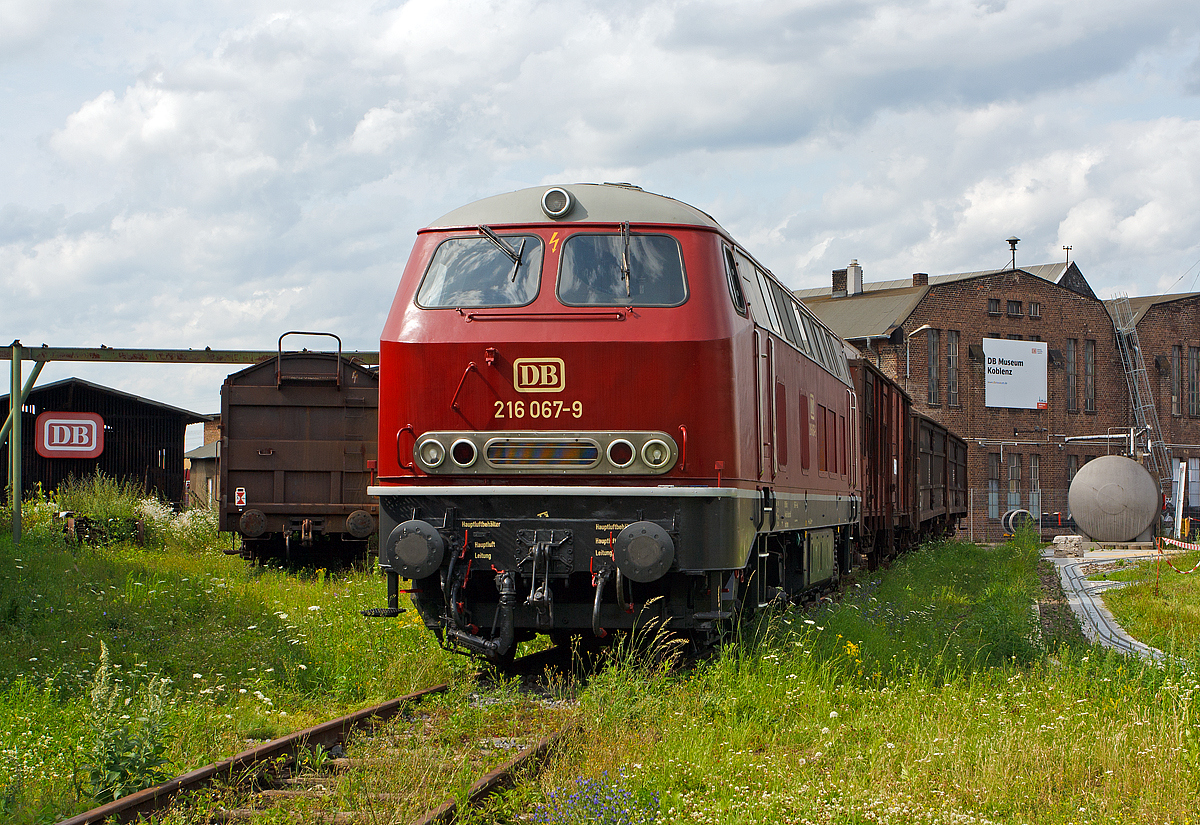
1113 498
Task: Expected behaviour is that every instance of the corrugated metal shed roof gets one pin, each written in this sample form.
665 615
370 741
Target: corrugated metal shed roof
1141 305
1047 272
208 450
885 305
191 417
869 315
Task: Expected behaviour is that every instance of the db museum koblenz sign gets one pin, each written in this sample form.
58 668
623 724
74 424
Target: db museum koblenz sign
69 435
1015 374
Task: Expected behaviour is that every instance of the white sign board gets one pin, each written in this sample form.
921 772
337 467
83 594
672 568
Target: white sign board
1014 374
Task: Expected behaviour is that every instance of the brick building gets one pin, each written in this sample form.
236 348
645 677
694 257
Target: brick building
1169 331
927 333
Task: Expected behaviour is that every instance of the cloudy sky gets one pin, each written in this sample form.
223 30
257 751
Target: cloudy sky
212 174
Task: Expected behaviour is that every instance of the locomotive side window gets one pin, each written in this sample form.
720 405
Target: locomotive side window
758 303
735 284
787 317
764 287
622 270
475 272
801 332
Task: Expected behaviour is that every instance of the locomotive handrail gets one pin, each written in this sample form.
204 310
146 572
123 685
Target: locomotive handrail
545 316
399 457
774 408
758 407
337 373
454 401
683 449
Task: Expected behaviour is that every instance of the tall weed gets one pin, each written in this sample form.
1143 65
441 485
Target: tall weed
130 737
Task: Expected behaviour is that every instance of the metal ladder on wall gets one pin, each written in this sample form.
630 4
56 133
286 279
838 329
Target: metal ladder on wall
1141 396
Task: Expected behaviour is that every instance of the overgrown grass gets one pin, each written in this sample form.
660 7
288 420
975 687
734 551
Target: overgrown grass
925 696
1160 606
250 653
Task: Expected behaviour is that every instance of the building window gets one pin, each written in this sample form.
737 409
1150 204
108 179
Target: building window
1194 381
1035 485
1014 481
952 367
1035 309
1014 308
1072 468
1013 337
935 354
993 306
1089 375
1176 380
1072 389
993 485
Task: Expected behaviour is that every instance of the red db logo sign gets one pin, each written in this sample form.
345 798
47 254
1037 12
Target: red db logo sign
69 435
539 375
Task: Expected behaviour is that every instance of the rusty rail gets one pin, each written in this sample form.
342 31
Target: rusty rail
326 735
497 780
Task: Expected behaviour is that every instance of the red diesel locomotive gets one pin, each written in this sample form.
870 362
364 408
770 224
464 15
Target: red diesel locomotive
596 408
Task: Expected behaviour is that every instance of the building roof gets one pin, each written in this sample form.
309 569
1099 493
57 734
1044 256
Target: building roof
1047 272
595 202
884 306
872 314
208 450
189 416
1142 304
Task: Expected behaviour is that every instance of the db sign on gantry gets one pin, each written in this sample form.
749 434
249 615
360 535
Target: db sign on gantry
69 435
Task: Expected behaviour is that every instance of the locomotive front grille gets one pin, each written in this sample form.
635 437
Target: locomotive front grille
542 453
591 452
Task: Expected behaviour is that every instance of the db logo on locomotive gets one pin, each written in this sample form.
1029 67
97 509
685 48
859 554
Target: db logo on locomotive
69 435
539 375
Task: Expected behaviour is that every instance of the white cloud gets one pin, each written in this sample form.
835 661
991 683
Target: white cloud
220 174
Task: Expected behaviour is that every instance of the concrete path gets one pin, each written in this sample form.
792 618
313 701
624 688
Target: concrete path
1084 597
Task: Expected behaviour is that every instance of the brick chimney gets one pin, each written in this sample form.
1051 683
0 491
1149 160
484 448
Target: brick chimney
839 283
920 279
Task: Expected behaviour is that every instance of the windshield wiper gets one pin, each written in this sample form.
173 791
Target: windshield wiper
625 257
502 245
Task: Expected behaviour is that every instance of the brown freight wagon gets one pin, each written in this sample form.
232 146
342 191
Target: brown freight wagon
914 475
298 449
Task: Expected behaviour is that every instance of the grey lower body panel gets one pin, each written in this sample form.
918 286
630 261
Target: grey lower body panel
713 528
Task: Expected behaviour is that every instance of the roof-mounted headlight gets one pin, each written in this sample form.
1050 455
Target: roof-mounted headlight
556 202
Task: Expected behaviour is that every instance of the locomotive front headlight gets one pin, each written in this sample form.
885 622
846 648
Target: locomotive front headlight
656 453
463 452
621 453
431 452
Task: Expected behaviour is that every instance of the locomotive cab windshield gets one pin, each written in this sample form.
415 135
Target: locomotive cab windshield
483 271
622 270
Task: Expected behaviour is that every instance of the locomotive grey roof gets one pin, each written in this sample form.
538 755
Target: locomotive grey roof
600 202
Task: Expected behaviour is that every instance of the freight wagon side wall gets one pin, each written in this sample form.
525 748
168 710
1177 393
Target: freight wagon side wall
298 449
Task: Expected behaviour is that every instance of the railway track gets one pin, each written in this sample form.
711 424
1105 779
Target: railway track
393 762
